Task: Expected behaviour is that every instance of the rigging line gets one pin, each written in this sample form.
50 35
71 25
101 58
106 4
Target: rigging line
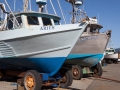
46 9
12 22
33 19
20 3
67 12
61 11
30 4
12 13
53 7
27 13
14 4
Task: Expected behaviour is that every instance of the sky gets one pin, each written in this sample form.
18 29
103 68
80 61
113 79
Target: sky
108 12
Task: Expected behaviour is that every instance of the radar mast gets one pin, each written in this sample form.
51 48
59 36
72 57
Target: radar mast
75 9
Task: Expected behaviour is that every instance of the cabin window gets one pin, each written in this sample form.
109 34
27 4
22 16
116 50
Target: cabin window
10 24
56 22
17 23
107 50
82 23
111 51
19 20
46 21
32 20
86 29
94 29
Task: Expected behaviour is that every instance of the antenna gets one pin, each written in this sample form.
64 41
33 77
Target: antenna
14 4
98 18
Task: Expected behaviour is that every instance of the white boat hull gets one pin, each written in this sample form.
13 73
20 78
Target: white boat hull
111 56
42 50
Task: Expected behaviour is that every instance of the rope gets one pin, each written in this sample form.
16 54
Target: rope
12 13
61 11
53 7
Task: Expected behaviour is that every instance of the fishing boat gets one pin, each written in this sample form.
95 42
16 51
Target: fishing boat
89 49
111 56
37 41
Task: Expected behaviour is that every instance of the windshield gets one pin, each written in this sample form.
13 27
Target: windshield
56 22
94 29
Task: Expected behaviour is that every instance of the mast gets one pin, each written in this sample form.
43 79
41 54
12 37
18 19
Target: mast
25 7
75 6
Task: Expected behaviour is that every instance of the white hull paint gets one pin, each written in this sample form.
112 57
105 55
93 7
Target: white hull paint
111 56
27 42
42 50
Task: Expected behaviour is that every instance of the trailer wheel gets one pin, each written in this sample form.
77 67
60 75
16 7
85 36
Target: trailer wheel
1 74
116 61
97 70
32 80
110 61
77 72
66 79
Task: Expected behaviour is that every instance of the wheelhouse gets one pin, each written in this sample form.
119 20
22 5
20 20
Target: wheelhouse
30 20
93 26
110 51
93 29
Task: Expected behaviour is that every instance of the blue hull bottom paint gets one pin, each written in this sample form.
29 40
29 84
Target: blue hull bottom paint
84 59
43 65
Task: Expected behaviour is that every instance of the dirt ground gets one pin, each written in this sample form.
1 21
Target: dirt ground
111 71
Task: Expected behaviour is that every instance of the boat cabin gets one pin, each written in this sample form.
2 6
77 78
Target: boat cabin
110 51
93 27
30 20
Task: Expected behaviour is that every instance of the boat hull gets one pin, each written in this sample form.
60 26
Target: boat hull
44 52
89 50
111 56
84 59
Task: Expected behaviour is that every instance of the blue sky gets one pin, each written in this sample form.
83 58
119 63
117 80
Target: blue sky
109 13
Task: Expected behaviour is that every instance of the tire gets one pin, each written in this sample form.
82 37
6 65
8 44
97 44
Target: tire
110 62
66 79
97 70
34 78
116 62
1 74
77 72
103 63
